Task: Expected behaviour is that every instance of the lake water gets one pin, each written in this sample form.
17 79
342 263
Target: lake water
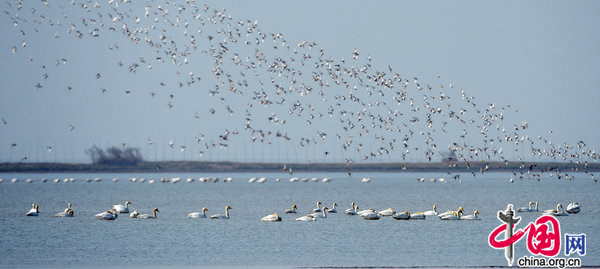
340 240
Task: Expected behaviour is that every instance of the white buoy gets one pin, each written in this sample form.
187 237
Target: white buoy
251 180
14 180
261 180
326 179
29 180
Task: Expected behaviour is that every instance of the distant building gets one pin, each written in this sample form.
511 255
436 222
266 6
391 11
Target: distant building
449 157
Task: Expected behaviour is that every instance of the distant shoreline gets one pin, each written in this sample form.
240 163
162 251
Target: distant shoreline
188 166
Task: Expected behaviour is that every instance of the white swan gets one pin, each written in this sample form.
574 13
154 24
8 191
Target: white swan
456 215
417 215
371 215
306 218
332 209
34 211
431 212
323 214
573 208
68 207
387 213
526 209
558 212
134 214
271 218
196 215
108 215
148 216
559 207
352 210
475 216
450 212
531 208
122 208
292 211
67 213
221 216
318 209
401 215
364 212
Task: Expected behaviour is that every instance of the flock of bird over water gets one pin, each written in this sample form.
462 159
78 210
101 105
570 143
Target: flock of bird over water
317 213
259 85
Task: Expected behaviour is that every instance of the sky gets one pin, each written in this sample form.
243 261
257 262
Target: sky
538 56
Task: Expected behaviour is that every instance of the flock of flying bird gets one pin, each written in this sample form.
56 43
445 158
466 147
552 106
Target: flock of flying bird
368 112
318 213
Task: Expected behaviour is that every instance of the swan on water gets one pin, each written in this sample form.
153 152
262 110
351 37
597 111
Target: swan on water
222 216
148 216
367 211
573 208
526 209
475 216
431 212
417 215
404 215
291 211
450 212
318 209
122 208
352 210
134 214
34 211
108 215
68 207
322 216
271 218
67 213
306 218
455 215
370 215
196 215
332 209
559 207
558 212
387 213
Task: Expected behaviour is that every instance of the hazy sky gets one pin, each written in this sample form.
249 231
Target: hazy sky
541 57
